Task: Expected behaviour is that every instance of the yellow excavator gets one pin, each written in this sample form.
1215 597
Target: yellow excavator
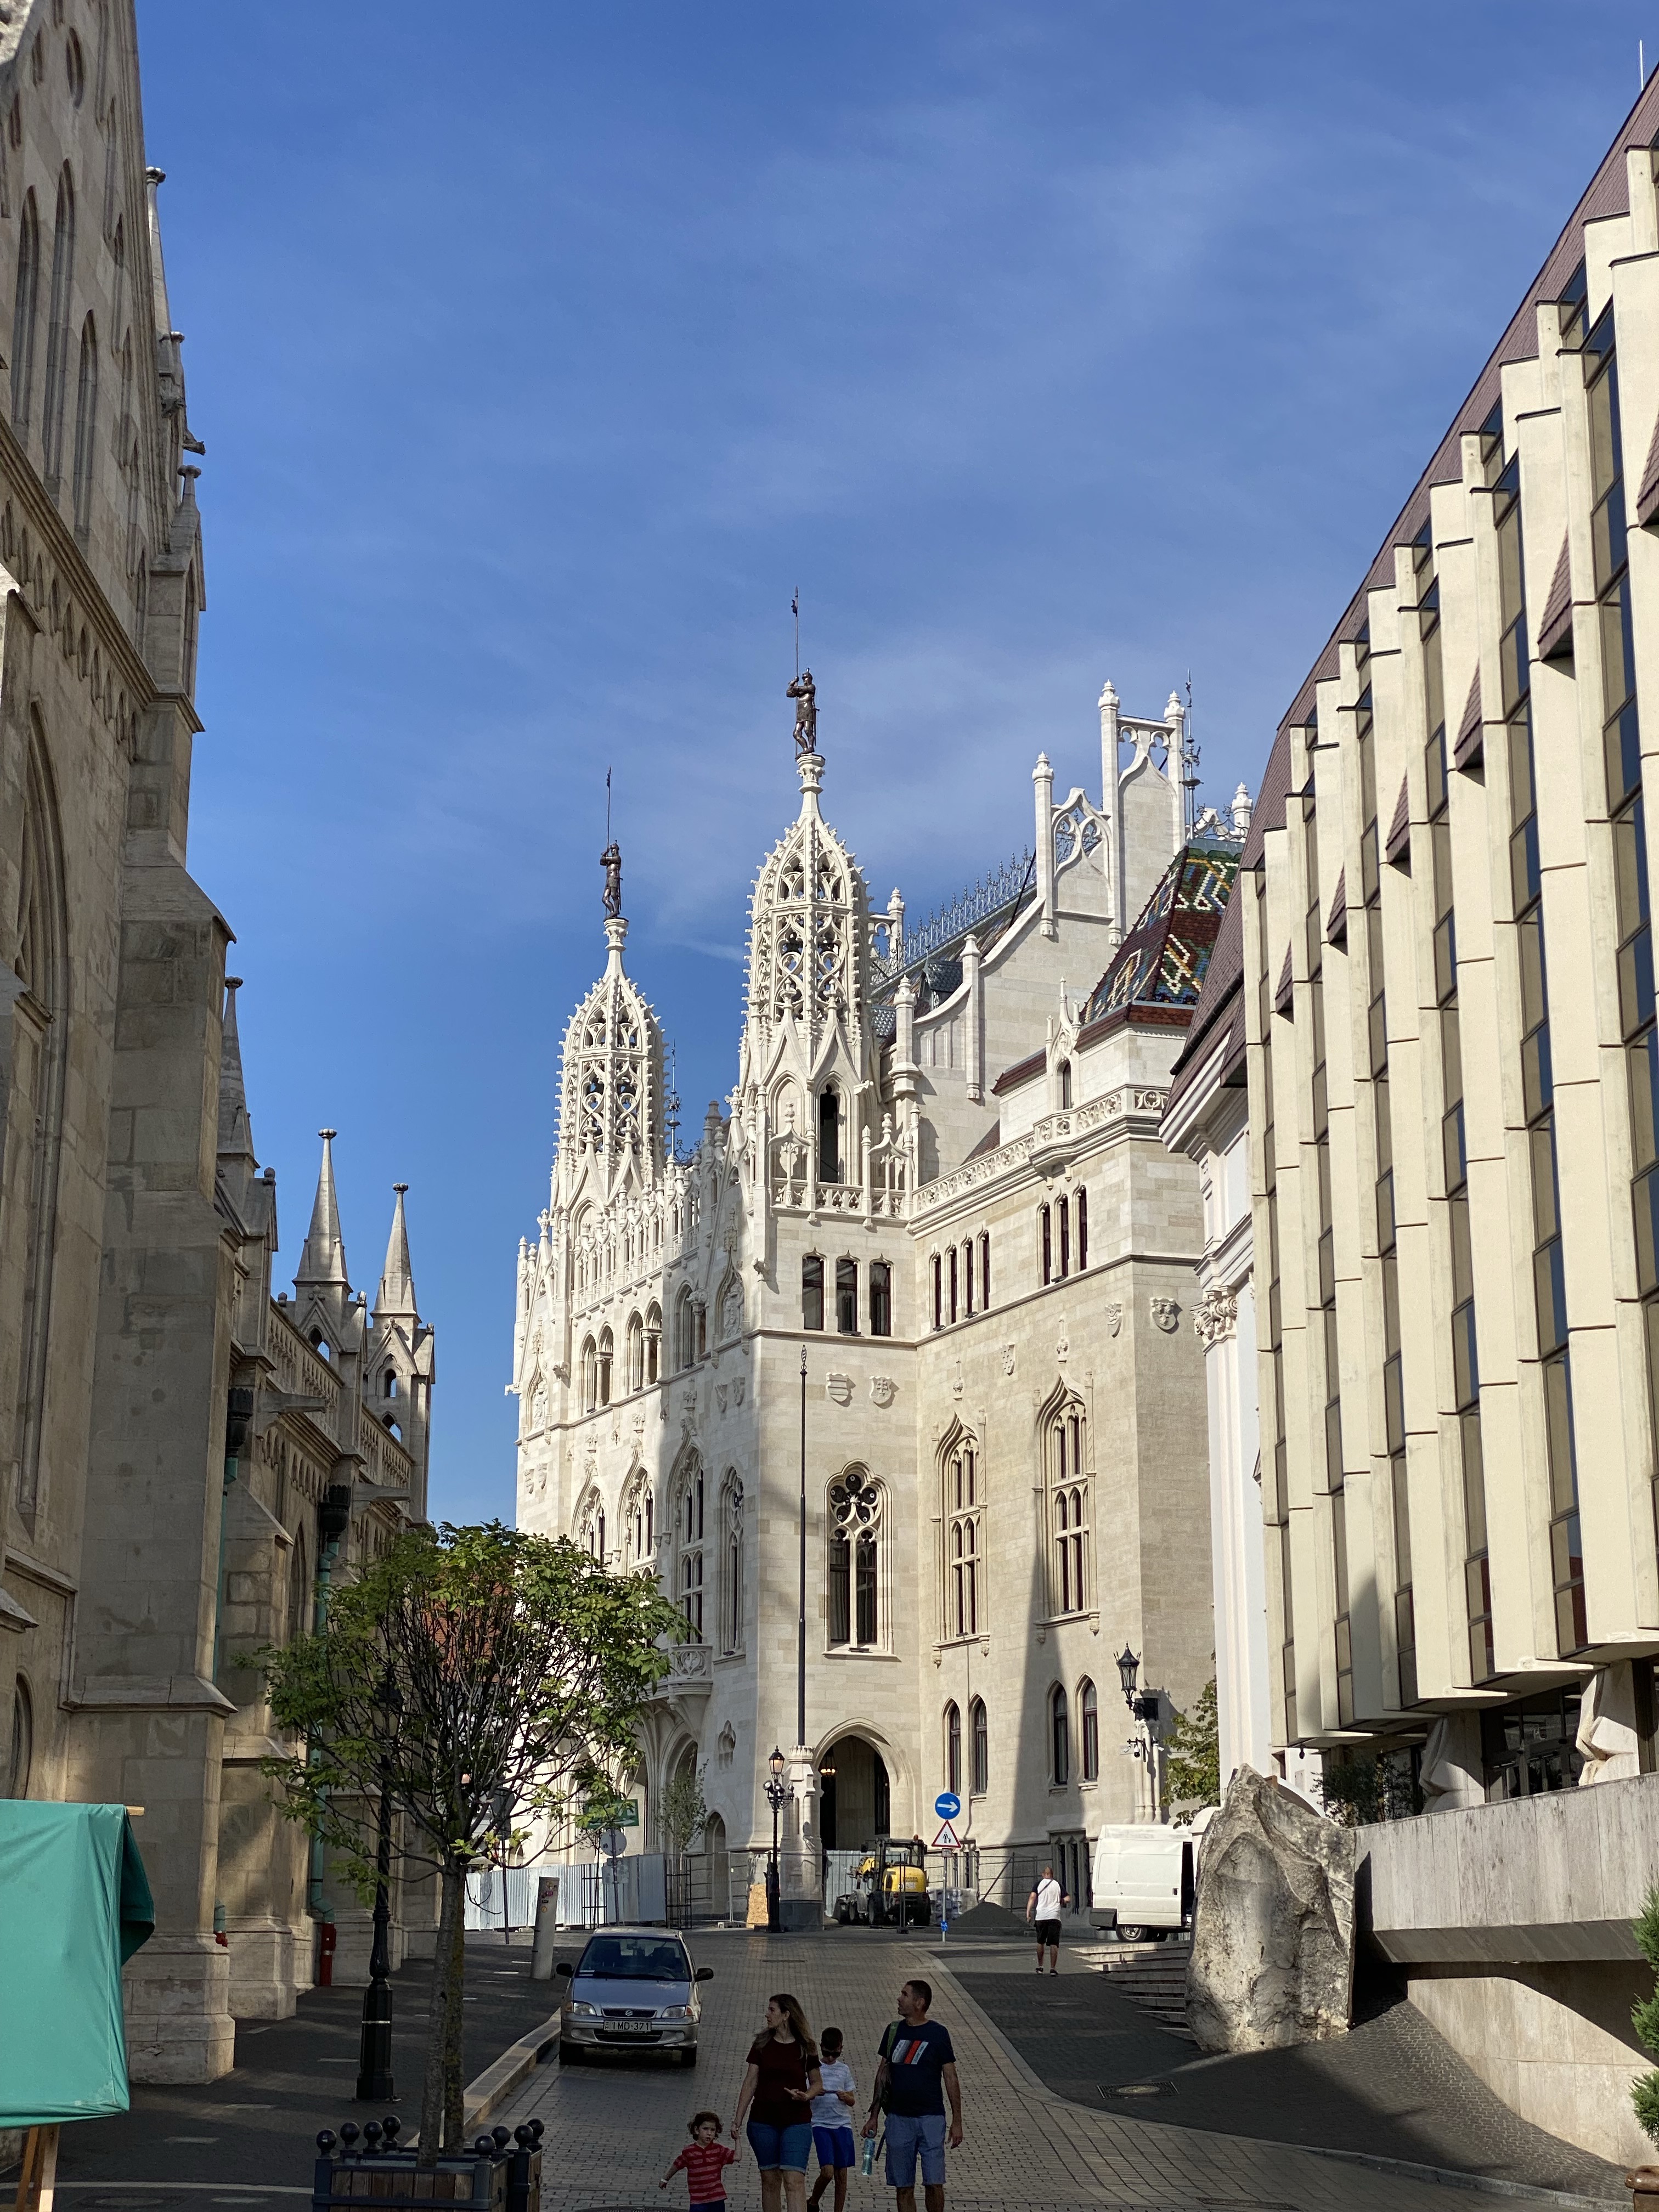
890 1885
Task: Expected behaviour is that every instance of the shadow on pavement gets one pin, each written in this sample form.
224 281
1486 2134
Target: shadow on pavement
1392 2087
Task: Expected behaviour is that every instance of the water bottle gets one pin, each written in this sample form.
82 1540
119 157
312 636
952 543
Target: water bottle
867 2162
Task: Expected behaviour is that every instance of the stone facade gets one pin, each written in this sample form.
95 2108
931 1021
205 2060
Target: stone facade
1436 984
937 1188
154 1521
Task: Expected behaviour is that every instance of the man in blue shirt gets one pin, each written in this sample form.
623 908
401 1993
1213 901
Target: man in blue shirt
917 2073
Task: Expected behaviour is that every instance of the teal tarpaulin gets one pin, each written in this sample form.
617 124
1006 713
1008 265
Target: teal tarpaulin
75 1903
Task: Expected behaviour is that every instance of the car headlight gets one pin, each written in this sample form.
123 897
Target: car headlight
581 2011
675 2012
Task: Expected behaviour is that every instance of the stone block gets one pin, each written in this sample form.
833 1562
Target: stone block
1271 1960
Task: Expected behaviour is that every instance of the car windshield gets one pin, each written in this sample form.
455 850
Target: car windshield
635 1959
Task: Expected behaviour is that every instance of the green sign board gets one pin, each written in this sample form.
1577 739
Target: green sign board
625 1815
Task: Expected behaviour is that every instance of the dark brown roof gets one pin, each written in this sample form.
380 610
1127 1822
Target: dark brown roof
1399 846
1020 1072
1336 921
1555 623
1467 749
1647 500
1607 194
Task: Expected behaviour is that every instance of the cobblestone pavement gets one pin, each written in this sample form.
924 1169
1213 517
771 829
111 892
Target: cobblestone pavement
613 2125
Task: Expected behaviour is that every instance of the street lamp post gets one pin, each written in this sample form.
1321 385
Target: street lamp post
800 1630
1147 1708
777 1792
374 2082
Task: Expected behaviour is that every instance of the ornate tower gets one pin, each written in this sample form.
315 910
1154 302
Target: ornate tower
610 1088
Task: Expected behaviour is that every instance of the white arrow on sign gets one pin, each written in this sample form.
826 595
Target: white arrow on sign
947 1839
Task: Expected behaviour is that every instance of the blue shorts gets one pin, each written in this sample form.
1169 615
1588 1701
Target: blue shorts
786 2148
907 2137
835 2146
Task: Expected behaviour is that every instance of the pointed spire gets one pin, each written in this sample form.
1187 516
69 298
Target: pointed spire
323 1260
236 1131
397 1297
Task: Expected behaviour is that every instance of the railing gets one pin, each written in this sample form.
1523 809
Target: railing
690 1666
1002 887
1051 1129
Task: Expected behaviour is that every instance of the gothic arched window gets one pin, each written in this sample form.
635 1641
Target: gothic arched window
58 328
590 1527
689 1512
1089 1710
811 1291
1059 1738
953 1748
985 1267
855 1533
590 1370
636 1352
685 1330
25 302
38 1030
607 1354
981 1746
731 1563
828 1134
640 1522
1066 1445
964 1547
652 1343
86 424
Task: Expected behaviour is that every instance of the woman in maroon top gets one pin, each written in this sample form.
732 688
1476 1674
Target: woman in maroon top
777 2090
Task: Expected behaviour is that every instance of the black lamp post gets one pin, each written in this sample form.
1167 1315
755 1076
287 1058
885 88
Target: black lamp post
1127 1667
777 1792
374 2082
1147 1708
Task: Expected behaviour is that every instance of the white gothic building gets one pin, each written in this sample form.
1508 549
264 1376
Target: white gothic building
938 1183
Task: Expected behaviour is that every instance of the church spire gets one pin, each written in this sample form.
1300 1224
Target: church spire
323 1261
397 1299
236 1131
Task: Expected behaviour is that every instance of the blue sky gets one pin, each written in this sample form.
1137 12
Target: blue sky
541 350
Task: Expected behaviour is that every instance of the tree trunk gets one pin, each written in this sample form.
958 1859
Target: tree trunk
454 2082
445 2000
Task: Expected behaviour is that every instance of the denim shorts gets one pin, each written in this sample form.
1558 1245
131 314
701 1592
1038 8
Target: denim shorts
788 2149
834 2146
905 2138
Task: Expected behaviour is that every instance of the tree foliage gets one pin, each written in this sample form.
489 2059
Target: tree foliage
1644 2018
474 1674
1193 1774
681 1811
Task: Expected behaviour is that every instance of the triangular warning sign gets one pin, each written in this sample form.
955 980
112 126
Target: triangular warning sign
947 1839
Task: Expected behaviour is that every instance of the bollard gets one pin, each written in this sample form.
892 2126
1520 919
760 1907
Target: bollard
547 1928
495 2175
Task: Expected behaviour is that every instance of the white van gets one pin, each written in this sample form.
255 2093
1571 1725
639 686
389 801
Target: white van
1144 1881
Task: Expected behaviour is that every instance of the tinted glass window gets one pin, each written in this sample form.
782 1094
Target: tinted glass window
636 1959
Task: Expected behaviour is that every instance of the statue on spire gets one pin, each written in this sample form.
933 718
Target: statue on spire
805 693
610 861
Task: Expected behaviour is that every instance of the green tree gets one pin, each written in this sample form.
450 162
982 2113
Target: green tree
681 1811
1193 1774
474 1673
1644 2018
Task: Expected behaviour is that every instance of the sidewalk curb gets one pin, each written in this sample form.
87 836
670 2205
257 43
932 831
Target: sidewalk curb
1446 2177
515 2065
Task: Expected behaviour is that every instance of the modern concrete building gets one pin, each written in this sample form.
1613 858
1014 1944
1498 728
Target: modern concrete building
938 1180
1436 988
177 1452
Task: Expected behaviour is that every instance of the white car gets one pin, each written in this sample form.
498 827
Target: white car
633 1989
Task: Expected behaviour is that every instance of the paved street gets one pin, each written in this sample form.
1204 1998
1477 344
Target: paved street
612 2127
249 2138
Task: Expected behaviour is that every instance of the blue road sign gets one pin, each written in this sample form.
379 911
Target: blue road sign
947 1804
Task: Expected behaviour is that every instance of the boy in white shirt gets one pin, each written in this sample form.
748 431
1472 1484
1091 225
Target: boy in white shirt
832 2133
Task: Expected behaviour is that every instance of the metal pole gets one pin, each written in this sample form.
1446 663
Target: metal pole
800 1632
374 2084
774 1911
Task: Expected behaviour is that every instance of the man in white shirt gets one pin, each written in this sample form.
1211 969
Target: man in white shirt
1045 1905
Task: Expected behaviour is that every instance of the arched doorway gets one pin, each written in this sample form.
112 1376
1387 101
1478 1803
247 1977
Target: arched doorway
717 1866
856 1804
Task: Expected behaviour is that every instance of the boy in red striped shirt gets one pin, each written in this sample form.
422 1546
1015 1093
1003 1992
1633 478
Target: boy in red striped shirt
702 2159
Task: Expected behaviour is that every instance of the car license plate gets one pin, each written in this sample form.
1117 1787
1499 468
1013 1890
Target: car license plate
629 2027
